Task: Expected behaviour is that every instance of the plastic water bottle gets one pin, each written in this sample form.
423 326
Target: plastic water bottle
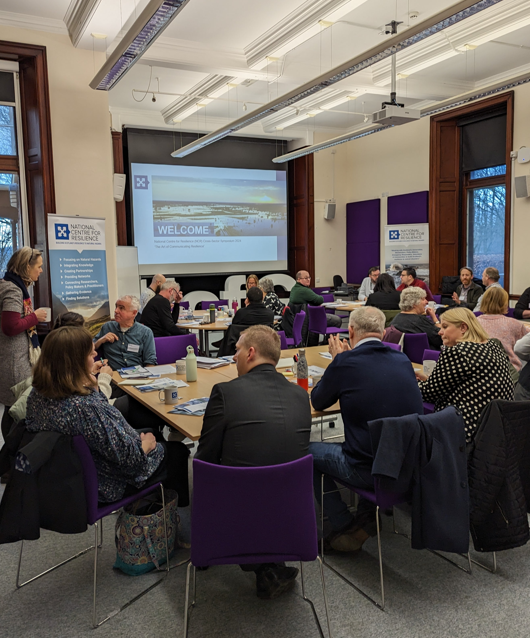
191 364
212 313
301 370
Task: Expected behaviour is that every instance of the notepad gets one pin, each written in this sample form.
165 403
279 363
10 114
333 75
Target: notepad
288 362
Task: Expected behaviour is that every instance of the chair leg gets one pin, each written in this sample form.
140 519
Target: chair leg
381 577
187 606
310 602
336 571
18 584
95 585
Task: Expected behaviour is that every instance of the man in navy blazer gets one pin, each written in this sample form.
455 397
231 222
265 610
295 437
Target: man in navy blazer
371 381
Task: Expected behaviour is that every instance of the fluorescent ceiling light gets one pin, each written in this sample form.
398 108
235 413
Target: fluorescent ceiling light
204 101
451 103
149 25
292 41
304 23
338 102
399 42
504 18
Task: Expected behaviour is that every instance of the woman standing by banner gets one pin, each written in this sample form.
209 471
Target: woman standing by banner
19 343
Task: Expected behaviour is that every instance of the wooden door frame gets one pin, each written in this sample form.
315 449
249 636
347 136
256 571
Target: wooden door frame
435 220
37 144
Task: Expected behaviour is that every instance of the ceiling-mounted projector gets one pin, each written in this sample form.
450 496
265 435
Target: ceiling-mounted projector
393 114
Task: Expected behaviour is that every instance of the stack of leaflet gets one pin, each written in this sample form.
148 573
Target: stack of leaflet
160 384
209 363
195 407
136 372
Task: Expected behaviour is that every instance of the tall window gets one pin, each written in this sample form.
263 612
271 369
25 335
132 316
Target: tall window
485 197
483 180
10 212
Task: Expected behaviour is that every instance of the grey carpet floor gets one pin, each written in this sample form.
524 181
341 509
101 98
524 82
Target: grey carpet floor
426 597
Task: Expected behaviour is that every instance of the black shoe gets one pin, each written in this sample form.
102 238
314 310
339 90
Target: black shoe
272 582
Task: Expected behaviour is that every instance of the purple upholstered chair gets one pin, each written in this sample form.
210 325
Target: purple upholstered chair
298 322
322 291
184 304
259 514
283 339
477 313
169 349
437 299
510 312
394 346
318 323
95 515
414 345
383 500
430 355
205 305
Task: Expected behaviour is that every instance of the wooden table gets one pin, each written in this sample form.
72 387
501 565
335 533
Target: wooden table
204 329
347 306
191 426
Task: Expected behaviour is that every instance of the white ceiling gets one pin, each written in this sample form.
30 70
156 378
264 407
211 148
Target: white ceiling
212 38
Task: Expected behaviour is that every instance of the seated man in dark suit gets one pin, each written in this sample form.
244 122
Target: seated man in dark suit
255 313
158 314
239 430
362 376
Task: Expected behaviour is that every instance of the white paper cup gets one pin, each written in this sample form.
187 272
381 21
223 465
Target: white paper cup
428 367
181 367
171 395
48 314
432 304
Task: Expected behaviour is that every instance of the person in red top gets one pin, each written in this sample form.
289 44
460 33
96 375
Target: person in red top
408 278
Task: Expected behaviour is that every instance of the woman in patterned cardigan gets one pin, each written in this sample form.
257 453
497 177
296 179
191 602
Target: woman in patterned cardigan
471 372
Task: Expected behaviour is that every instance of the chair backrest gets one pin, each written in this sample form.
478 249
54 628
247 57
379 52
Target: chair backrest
323 291
169 349
414 345
258 514
337 281
510 312
184 304
328 298
283 339
90 477
437 298
477 313
219 302
430 355
197 296
317 319
392 335
298 322
394 346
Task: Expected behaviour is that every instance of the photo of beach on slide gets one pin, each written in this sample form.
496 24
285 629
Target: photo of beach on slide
230 202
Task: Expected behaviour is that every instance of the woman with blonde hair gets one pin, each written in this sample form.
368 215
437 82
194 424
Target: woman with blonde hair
507 330
19 343
471 372
252 280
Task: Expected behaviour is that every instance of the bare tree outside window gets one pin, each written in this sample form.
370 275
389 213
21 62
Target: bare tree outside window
486 223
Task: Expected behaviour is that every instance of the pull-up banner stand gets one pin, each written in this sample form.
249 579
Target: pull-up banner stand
78 269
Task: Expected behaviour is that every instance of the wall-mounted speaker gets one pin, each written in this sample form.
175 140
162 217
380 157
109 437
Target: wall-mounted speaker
522 186
119 186
329 210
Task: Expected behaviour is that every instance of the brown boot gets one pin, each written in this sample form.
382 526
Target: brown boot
351 540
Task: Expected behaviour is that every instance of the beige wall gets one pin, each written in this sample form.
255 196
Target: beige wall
396 161
82 150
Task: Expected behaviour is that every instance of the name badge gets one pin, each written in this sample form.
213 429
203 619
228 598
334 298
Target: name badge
133 347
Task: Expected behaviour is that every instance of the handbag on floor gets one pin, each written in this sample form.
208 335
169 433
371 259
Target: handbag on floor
140 537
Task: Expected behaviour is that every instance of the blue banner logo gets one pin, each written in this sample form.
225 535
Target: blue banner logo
393 234
141 182
62 232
